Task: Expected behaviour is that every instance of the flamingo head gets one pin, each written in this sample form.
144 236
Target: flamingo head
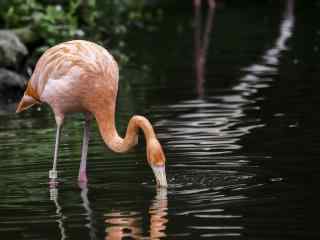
156 160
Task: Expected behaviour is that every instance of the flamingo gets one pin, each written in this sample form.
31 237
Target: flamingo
82 76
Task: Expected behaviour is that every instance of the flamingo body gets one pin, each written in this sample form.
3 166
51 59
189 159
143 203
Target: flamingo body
69 77
81 76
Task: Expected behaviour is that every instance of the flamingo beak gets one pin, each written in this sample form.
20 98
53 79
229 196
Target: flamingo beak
160 175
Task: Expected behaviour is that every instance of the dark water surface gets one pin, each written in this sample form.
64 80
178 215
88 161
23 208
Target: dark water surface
241 137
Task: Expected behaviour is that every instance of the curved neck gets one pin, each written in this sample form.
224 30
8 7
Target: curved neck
106 123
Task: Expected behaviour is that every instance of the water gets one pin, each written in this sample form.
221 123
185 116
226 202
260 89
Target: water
240 133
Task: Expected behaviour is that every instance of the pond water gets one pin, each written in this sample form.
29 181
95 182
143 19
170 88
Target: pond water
240 131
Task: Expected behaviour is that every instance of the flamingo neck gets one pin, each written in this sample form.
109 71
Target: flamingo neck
116 143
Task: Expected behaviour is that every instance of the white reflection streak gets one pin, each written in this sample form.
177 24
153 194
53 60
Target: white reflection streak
252 82
270 58
54 197
286 32
89 213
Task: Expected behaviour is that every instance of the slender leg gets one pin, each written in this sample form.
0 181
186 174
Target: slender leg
53 172
197 3
53 175
211 3
82 177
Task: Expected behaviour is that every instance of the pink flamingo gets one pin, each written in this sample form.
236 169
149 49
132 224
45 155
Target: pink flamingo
81 76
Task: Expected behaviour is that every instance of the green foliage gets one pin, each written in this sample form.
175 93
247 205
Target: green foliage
56 25
51 23
19 12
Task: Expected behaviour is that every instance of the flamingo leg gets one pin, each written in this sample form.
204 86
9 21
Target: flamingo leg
53 172
82 177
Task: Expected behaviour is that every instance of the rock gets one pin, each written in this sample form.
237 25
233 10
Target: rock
11 48
10 80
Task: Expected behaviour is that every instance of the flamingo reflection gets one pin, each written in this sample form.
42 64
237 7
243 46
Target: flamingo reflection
130 224
158 213
60 216
88 210
120 225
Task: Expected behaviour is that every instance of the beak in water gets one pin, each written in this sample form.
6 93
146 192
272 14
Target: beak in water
160 175
25 103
